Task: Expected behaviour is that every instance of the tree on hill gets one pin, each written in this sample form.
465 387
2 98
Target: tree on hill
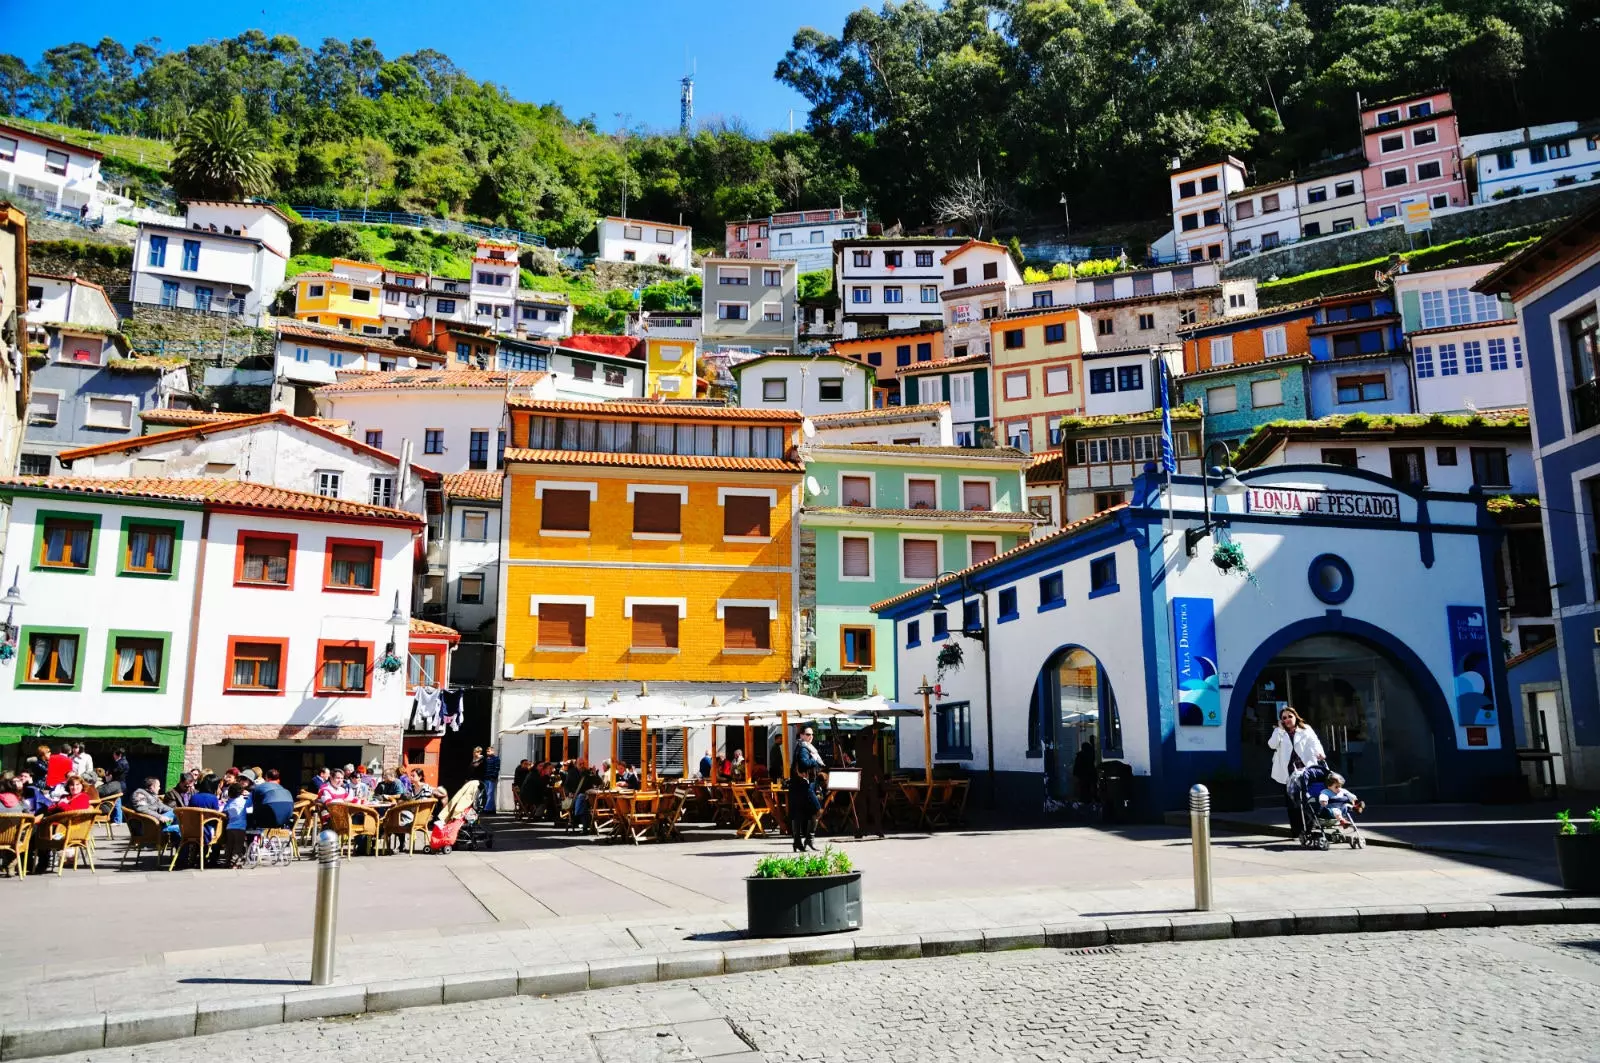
219 156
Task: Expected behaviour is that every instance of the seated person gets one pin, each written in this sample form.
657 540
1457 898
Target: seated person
390 785
146 801
76 798
272 803
1337 803
237 809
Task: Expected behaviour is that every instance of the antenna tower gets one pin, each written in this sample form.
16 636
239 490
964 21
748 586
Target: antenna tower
686 102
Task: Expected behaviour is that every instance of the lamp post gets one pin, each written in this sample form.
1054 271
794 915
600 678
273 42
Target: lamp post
980 635
1066 214
8 630
1229 486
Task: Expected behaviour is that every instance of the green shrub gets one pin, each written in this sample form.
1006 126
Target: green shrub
807 865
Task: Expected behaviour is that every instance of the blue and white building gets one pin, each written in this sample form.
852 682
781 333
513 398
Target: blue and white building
1369 607
1556 287
1531 159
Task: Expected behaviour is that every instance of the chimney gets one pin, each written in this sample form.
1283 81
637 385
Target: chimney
1176 162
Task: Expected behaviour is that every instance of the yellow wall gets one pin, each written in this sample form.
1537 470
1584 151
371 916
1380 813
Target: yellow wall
681 364
1034 358
690 576
336 303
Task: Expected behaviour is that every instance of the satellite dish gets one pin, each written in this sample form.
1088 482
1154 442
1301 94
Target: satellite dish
813 488
808 429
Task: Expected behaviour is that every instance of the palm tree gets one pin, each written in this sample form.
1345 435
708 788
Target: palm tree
219 156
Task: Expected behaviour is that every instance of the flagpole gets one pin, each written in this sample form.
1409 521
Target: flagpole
1169 466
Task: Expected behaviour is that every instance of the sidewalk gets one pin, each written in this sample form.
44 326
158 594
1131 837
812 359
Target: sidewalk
124 941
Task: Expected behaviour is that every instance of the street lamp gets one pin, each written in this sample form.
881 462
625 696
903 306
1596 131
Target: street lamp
980 635
1230 486
1066 215
8 630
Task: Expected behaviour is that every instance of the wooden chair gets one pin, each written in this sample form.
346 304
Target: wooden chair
668 814
351 821
958 802
641 818
144 832
16 833
303 826
392 826
752 815
192 824
602 810
103 807
70 834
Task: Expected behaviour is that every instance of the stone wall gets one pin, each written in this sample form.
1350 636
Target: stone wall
389 738
1327 252
630 275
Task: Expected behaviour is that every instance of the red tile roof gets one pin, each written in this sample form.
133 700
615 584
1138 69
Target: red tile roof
348 340
429 628
433 380
660 410
316 426
620 346
483 486
217 494
968 246
944 363
654 461
188 417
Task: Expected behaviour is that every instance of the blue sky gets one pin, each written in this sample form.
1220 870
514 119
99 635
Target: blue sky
597 57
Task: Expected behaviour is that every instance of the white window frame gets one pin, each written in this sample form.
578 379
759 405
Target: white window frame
995 539
534 601
938 561
1275 337
930 293
372 489
728 302
872 485
1218 345
938 488
899 291
629 602
1231 389
872 554
88 411
1277 381
592 487
55 415
992 481
681 492
772 312
739 276
768 493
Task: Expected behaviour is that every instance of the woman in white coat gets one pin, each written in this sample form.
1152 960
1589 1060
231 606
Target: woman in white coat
1294 745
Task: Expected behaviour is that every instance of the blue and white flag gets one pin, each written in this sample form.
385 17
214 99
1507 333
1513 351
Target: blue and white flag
1169 458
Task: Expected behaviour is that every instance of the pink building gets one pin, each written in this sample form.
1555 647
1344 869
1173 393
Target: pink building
747 239
1413 154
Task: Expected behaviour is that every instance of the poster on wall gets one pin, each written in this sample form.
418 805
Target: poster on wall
1194 635
1469 664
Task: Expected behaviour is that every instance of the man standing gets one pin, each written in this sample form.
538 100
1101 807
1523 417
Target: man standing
82 762
59 768
491 777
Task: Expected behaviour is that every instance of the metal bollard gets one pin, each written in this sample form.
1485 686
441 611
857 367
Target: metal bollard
1200 841
327 908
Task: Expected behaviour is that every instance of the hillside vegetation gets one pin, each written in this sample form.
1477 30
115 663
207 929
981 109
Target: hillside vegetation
1091 98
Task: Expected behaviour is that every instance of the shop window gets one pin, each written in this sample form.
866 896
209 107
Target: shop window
746 628
342 668
351 565
256 664
136 662
265 559
52 658
856 649
954 731
564 511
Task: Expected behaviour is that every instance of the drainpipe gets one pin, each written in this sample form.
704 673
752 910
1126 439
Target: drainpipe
194 618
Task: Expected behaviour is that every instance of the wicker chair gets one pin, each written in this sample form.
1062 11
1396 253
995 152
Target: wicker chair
144 832
392 827
70 834
16 832
103 807
352 821
192 824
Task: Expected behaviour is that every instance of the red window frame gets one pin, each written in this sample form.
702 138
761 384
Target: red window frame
327 565
246 534
283 665
439 651
323 645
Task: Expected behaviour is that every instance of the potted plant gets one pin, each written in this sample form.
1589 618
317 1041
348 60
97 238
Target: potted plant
1578 854
950 658
809 893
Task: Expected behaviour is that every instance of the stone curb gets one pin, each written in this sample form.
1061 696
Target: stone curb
29 1040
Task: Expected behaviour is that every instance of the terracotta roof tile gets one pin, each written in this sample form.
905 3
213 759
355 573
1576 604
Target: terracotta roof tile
1304 308
661 410
1236 367
654 461
944 363
483 486
433 380
188 417
229 494
1059 533
428 627
340 338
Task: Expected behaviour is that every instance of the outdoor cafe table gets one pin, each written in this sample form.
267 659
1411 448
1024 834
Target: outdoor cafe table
621 804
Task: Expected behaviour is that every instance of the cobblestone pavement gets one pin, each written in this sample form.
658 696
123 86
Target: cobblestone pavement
1506 994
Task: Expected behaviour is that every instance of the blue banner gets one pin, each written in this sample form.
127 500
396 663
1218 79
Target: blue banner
1194 638
1469 664
1169 458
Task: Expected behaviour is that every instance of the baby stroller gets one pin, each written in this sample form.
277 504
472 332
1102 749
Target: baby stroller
1322 827
458 824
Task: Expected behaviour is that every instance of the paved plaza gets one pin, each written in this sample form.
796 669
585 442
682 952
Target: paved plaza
1503 995
117 940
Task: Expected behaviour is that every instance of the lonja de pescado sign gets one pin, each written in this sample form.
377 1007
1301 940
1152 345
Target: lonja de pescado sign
1296 502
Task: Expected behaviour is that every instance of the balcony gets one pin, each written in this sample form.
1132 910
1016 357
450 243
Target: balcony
1586 405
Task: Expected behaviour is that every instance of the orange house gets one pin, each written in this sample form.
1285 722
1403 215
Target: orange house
1245 338
889 353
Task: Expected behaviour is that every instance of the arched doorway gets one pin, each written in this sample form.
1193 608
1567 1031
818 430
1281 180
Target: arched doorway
1373 722
1078 707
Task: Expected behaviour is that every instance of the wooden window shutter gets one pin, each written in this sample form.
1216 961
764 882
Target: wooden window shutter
922 494
921 558
656 513
746 628
982 550
561 625
746 515
655 626
856 490
565 511
857 555
975 495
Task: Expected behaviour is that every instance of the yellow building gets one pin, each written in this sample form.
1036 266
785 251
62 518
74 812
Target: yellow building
348 295
648 542
1036 364
671 368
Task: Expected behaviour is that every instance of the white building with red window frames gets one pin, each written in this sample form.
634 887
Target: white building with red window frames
253 618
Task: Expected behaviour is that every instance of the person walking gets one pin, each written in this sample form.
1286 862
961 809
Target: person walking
1294 745
803 803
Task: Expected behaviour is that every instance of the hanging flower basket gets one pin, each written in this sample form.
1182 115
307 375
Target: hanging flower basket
7 651
390 663
950 658
1229 557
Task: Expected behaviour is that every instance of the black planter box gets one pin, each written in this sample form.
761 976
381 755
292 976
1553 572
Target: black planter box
1578 858
786 907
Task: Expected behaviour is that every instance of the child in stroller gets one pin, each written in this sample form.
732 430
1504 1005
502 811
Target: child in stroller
1325 807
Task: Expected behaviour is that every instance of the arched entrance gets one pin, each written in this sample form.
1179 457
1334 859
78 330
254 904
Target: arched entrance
1373 721
1078 707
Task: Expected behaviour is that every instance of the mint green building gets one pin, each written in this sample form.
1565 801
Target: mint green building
880 519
